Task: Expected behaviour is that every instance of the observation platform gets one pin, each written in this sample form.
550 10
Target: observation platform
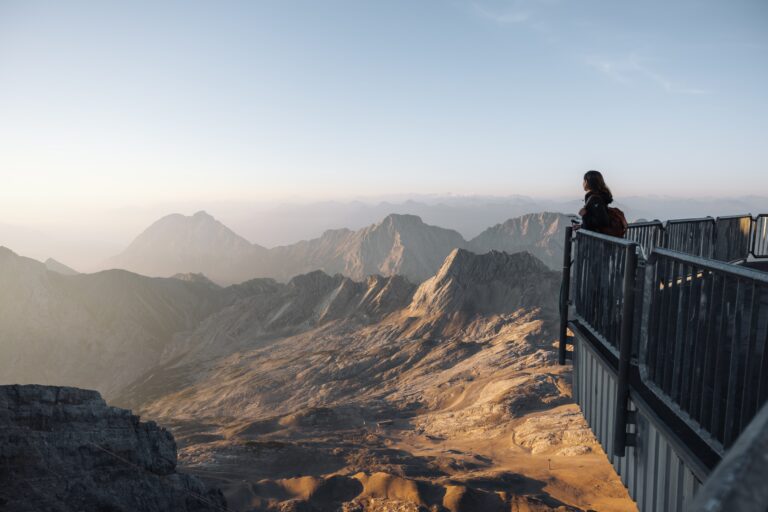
667 331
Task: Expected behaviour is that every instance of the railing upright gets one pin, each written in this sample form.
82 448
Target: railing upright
625 350
565 290
759 245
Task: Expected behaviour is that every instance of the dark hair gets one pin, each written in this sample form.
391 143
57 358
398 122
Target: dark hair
596 183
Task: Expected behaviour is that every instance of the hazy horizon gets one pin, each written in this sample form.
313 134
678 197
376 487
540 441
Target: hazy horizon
86 240
109 104
284 119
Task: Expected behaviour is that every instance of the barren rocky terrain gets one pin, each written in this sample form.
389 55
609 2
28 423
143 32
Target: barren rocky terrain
446 397
328 393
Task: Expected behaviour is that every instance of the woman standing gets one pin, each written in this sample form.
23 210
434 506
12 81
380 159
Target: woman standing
594 215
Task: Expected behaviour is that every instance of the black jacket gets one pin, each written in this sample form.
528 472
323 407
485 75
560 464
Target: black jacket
597 210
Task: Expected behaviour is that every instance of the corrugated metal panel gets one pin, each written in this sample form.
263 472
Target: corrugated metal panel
655 475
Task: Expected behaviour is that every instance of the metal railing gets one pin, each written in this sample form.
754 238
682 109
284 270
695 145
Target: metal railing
647 235
704 346
703 322
685 331
598 283
605 282
759 247
691 236
733 236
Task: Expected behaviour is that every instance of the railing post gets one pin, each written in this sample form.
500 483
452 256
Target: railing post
565 291
752 235
625 351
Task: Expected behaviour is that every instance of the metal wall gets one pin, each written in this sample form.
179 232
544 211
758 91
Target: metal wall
653 471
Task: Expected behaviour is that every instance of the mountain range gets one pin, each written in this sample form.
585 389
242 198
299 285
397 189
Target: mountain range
381 390
84 240
399 244
92 330
325 391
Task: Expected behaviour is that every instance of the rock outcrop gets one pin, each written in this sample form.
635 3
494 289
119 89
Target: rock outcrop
64 449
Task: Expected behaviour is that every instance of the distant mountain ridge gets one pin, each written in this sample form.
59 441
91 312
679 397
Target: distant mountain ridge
97 331
399 244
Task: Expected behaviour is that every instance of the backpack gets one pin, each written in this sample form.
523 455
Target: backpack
617 223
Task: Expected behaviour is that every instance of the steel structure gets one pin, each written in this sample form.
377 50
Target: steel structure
669 346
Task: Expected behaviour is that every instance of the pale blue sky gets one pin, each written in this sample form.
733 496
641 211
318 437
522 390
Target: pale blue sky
112 102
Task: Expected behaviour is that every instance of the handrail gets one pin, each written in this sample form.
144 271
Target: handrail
704 346
733 237
682 313
647 234
759 245
599 267
738 482
691 236
606 272
607 238
708 264
737 216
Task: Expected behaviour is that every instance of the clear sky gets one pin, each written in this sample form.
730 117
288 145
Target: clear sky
114 102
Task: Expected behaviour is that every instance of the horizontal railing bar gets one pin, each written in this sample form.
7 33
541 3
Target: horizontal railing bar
731 217
709 264
683 221
607 238
646 223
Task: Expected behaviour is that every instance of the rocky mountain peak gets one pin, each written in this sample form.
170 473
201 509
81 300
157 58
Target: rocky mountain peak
315 282
190 244
20 269
401 220
194 277
491 283
541 234
202 215
56 266
6 253
466 266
